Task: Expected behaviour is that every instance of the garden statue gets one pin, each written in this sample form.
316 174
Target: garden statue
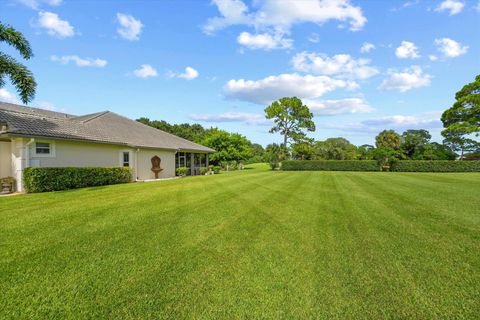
156 166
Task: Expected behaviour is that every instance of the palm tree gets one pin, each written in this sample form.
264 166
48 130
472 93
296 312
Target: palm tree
19 75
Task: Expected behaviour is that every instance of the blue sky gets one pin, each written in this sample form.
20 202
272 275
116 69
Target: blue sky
361 66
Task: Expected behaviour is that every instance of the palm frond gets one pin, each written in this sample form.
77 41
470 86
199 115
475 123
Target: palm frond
15 39
20 76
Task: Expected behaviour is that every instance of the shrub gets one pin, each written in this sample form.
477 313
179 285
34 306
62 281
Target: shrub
216 169
436 166
330 165
203 170
182 171
64 178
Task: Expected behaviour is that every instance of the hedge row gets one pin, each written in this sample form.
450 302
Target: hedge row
436 166
331 165
64 178
371 165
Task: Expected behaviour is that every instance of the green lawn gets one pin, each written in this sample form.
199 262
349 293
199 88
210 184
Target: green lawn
251 244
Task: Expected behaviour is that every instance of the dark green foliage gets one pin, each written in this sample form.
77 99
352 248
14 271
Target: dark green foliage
193 132
228 147
436 166
19 75
216 169
388 139
414 143
274 154
464 115
330 165
335 149
203 170
64 178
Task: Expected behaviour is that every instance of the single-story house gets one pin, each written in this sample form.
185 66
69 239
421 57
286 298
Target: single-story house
31 137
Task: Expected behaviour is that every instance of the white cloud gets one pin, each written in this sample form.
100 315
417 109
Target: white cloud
407 50
450 48
189 74
405 80
281 15
80 62
54 25
130 28
399 123
46 106
249 118
342 65
314 38
7 96
452 6
336 107
145 71
367 47
35 4
271 88
433 57
264 41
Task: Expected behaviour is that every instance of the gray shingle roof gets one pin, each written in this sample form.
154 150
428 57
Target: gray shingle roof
104 127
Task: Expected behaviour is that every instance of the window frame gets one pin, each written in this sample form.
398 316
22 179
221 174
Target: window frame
121 158
51 154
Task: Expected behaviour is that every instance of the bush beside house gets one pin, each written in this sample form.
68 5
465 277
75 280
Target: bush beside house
64 178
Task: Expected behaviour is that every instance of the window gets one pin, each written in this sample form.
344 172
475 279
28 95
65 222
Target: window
42 148
126 159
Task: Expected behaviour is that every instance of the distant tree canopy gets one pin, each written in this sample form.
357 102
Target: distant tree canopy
229 147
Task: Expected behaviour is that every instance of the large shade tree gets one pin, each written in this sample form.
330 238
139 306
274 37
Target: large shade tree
228 146
19 75
413 143
291 118
462 120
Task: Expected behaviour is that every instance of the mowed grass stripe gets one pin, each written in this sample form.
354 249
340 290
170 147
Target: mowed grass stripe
251 244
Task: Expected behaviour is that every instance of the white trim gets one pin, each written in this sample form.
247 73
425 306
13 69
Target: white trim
43 155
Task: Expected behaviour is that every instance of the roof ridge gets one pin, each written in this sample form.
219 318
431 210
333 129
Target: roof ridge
96 115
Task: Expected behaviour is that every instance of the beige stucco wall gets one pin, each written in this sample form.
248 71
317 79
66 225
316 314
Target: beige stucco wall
14 155
5 159
79 154
144 157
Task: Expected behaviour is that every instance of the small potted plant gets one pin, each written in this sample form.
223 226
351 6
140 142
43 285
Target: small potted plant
7 185
182 171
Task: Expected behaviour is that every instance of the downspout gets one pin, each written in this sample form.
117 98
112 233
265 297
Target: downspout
136 164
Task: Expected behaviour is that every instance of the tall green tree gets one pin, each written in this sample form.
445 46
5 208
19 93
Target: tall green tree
413 143
228 146
19 75
464 115
335 149
458 141
291 118
388 139
462 120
